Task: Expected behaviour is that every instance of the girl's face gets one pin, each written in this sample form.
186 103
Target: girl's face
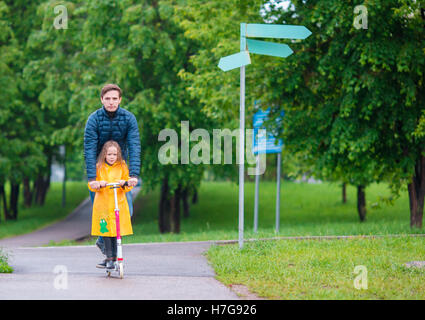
111 155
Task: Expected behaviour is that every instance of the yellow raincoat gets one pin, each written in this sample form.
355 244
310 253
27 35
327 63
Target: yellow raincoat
103 217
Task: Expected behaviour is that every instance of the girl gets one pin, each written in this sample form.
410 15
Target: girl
110 167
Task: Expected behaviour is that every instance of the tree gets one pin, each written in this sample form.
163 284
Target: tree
20 153
353 97
138 46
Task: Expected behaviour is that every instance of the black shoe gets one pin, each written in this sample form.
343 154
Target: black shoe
101 265
110 264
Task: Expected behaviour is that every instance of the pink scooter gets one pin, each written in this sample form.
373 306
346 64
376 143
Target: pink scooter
119 264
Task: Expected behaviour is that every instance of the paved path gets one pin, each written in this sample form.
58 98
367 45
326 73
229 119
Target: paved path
165 271
74 227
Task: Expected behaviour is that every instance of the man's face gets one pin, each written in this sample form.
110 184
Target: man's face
111 100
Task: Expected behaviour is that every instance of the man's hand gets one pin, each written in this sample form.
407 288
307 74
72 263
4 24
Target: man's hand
132 182
95 185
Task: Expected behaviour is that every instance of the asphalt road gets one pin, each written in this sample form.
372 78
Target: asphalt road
160 271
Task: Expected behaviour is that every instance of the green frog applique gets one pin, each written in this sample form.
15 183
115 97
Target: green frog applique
103 225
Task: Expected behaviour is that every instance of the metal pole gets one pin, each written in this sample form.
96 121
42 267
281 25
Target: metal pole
278 194
241 158
242 141
257 181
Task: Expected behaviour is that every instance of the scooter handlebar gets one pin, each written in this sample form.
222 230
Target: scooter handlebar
116 184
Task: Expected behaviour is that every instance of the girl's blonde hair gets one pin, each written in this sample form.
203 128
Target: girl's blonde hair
101 159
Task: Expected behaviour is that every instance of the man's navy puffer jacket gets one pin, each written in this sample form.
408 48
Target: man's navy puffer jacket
122 128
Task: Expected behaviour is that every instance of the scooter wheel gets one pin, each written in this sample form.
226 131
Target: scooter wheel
121 270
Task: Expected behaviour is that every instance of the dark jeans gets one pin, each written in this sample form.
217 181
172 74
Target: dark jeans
110 247
129 196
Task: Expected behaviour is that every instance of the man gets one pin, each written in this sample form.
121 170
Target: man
111 122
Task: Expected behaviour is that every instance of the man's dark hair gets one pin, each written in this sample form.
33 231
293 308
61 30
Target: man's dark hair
110 87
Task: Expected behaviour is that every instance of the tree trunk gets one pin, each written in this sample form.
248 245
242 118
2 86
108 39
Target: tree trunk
361 202
28 193
185 196
3 199
14 198
344 193
164 208
195 196
416 189
7 215
176 210
42 183
64 184
42 186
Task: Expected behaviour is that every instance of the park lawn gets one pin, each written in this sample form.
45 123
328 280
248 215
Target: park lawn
306 209
295 269
37 217
313 269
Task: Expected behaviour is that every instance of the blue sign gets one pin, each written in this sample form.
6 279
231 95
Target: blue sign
264 143
233 61
269 48
255 30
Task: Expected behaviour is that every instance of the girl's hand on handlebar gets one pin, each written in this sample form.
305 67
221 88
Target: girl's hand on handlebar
94 185
132 182
103 184
122 182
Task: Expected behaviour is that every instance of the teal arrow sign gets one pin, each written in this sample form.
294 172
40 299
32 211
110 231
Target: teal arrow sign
269 48
240 60
233 61
254 30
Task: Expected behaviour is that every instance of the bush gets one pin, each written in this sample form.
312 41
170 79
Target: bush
4 267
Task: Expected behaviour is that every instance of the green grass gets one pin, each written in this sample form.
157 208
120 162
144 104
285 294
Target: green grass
4 266
311 269
306 209
36 217
301 269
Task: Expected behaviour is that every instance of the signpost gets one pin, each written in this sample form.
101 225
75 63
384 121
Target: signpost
262 143
269 48
236 60
278 31
242 59
265 144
